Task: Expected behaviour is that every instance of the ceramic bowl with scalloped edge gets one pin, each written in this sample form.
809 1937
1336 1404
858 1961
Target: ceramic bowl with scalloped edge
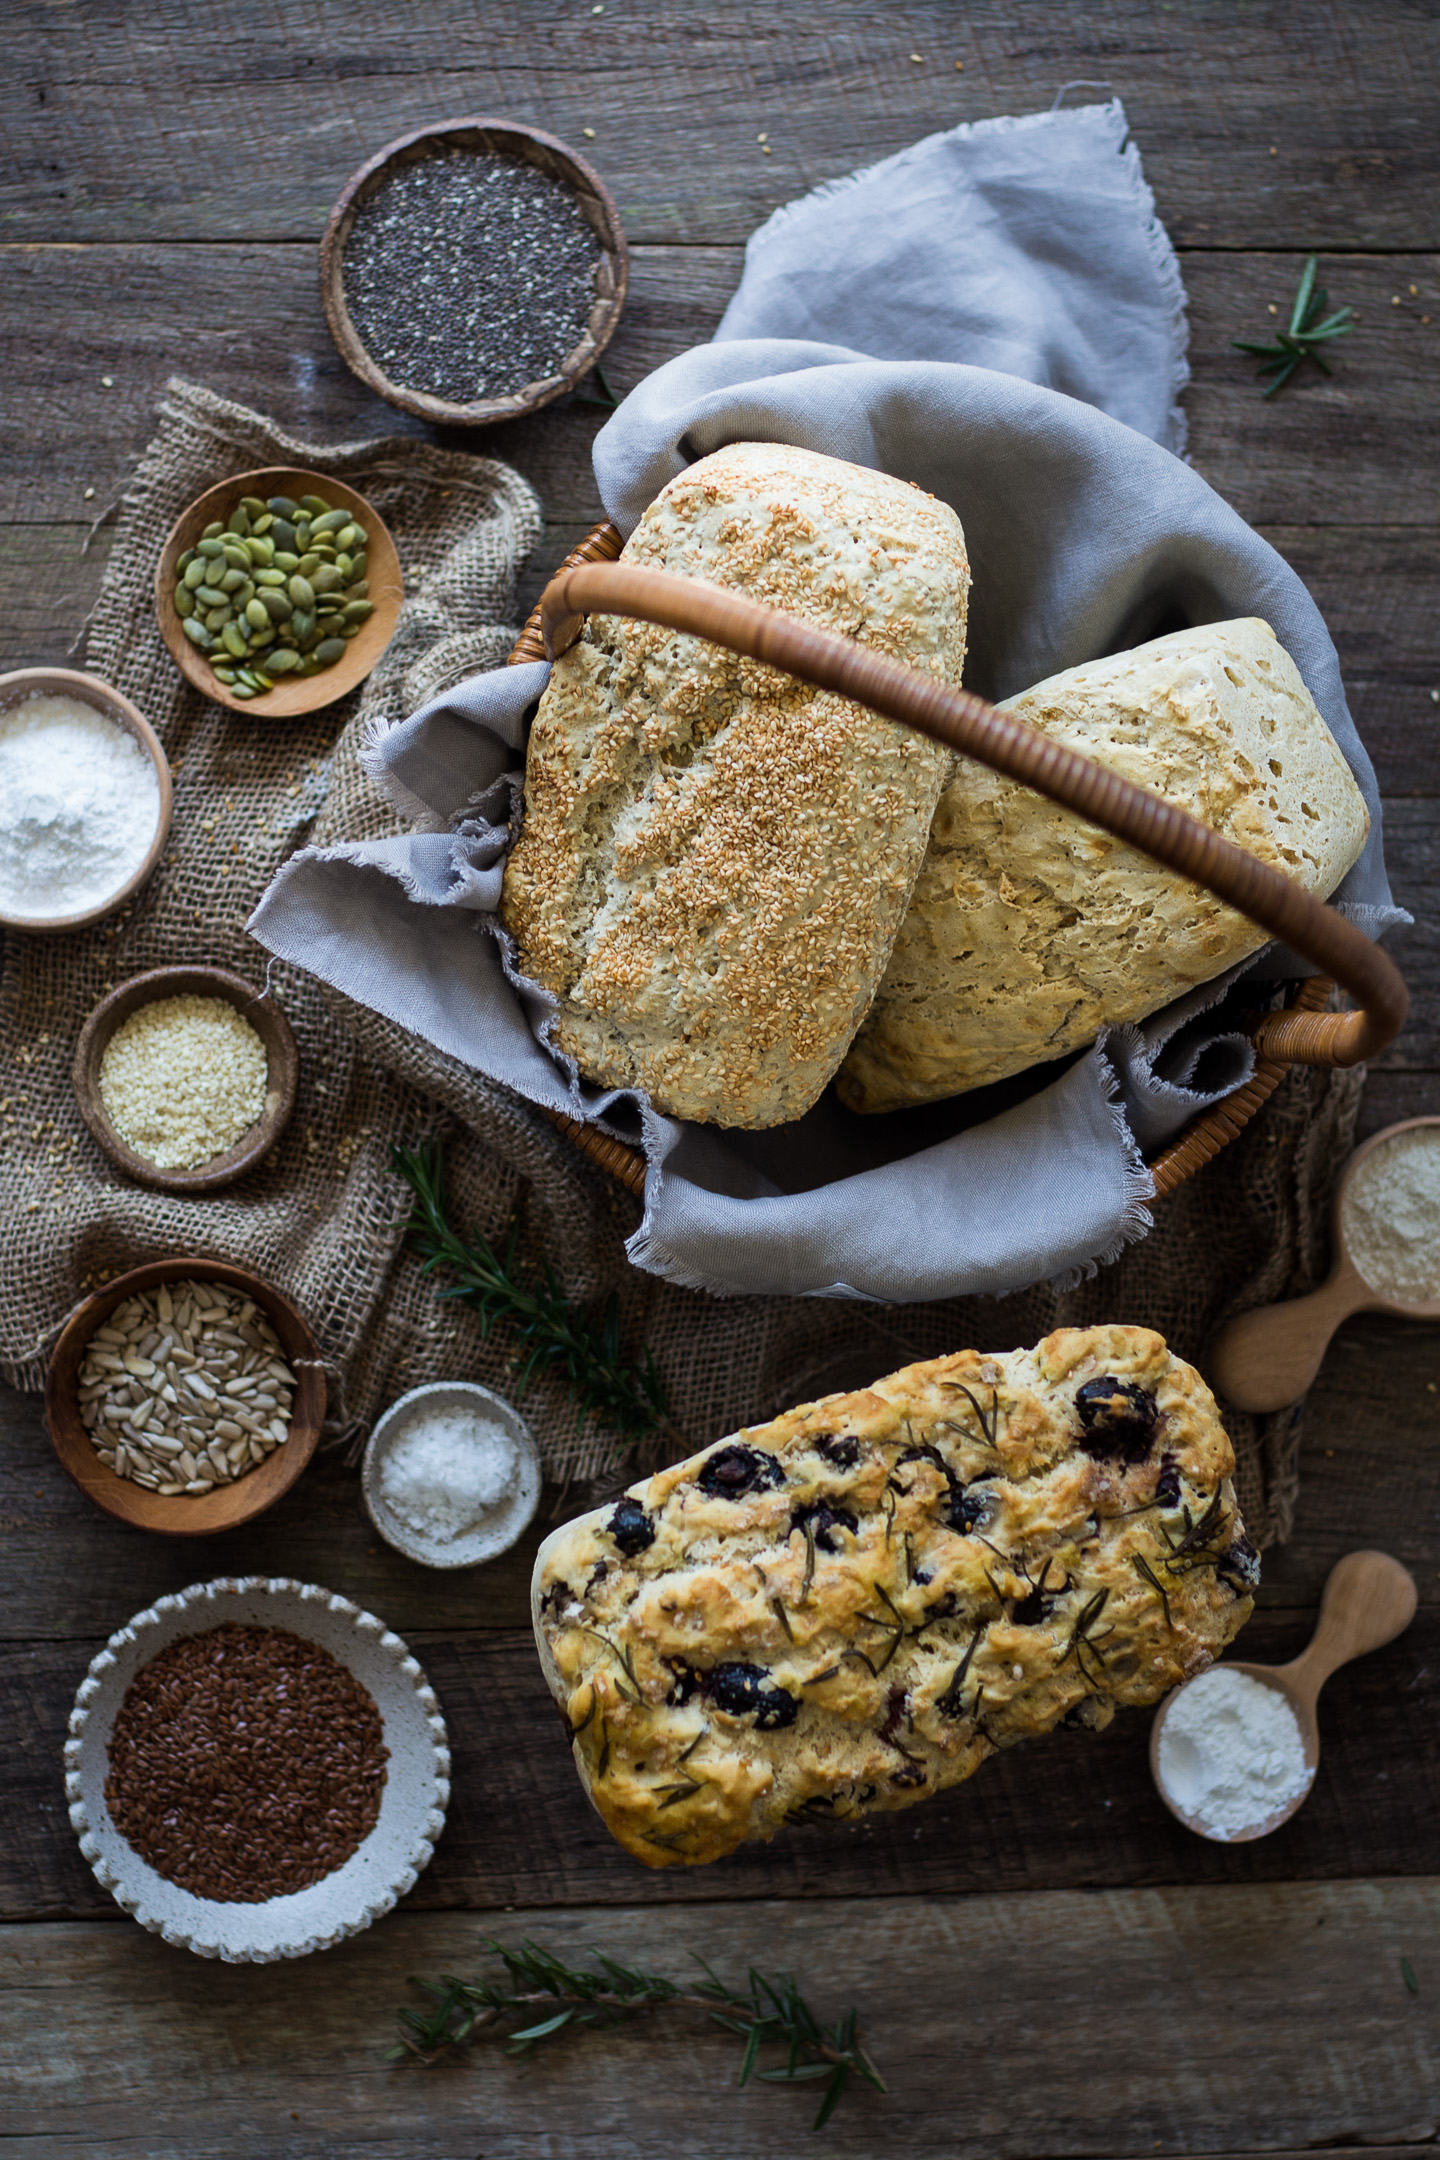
412 1806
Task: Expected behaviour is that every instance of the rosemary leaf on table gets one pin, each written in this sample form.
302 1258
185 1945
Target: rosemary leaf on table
1309 329
766 2012
553 1335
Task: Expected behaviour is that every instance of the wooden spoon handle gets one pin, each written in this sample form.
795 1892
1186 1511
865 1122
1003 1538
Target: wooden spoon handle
1368 1600
1267 1358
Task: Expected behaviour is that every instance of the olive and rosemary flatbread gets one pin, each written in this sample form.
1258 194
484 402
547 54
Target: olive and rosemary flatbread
851 1607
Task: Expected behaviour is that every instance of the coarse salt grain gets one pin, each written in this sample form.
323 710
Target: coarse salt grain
1231 1752
182 1079
446 1470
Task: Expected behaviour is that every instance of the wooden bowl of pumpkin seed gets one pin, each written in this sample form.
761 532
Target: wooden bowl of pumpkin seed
277 591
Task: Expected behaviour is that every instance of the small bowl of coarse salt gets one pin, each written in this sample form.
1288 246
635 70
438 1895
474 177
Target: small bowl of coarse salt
85 799
186 1076
451 1474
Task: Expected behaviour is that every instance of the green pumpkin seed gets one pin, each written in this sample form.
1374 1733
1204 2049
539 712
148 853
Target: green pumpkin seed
262 524
263 637
282 532
282 507
345 567
253 505
210 547
302 592
243 689
329 652
211 532
286 559
302 622
224 674
260 551
359 611
256 616
252 676
348 537
282 661
277 605
217 617
310 561
185 561
233 638
197 633
330 521
238 522
271 577
302 534
325 579
233 580
209 595
316 505
236 556
184 601
358 565
196 571
349 630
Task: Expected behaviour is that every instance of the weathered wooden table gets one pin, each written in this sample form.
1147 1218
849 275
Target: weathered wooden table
1045 1963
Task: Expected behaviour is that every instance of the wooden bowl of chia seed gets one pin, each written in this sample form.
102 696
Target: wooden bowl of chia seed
474 271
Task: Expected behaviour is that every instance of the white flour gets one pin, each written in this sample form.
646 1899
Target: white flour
1231 1751
1390 1216
79 803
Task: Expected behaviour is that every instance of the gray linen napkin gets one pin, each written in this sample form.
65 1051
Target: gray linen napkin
1085 537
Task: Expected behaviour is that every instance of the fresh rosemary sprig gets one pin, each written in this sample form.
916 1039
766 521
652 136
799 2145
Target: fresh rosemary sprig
627 1399
767 2011
1306 333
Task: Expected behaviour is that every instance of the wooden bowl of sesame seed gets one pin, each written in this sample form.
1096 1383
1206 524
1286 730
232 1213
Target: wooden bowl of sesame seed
229 1502
152 1091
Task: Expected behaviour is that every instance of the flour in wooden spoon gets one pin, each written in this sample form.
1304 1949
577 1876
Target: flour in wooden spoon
1390 1216
1231 1752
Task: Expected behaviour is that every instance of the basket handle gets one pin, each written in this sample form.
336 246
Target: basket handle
1011 746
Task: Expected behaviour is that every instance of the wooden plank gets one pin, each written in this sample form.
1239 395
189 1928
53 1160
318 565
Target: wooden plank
125 127
1115 2022
1376 588
246 319
1070 1810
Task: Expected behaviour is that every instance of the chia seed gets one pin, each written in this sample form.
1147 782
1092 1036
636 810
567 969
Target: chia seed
469 276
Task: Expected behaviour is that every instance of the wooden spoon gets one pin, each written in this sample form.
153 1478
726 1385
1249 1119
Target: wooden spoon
1268 1358
1367 1601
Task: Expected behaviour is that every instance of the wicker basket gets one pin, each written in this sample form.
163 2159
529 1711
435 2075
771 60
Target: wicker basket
1304 1033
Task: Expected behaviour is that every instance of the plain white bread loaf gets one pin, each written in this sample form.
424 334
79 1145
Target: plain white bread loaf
1030 930
715 858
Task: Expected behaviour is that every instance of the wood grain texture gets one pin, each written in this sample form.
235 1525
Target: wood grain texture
246 319
1006 2030
1072 1810
106 112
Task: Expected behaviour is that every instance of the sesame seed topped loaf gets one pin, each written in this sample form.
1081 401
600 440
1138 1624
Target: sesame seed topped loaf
852 1606
715 858
1030 930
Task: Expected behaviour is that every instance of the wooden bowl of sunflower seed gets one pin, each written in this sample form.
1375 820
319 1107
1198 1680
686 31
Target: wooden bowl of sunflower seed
277 591
185 1397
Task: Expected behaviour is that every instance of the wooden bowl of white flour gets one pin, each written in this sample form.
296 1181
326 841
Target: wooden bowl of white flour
85 799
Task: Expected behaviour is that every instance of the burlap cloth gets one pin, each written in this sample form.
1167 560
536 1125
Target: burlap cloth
321 1217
